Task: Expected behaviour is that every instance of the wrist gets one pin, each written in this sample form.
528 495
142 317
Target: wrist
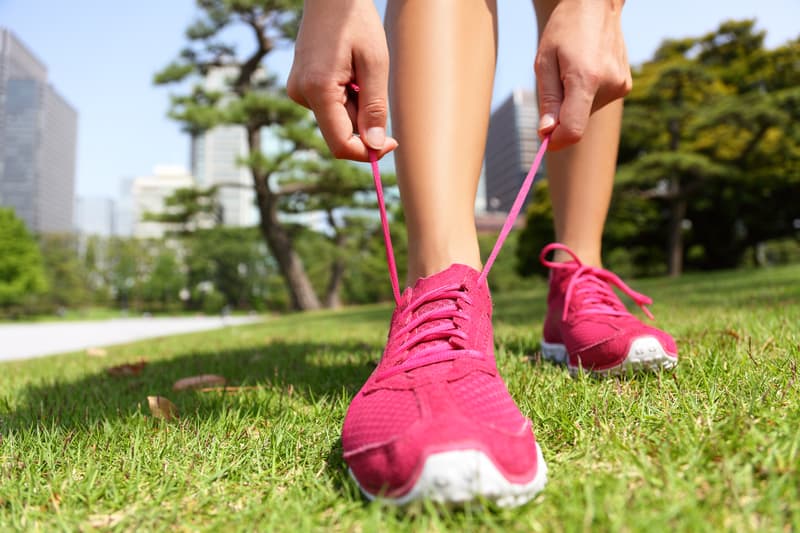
614 6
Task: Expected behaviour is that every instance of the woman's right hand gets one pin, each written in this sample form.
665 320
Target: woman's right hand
342 42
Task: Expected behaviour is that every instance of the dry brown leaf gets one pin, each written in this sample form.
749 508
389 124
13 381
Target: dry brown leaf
162 408
197 382
96 352
127 369
228 389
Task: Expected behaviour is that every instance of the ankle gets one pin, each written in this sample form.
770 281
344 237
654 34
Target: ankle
423 267
588 257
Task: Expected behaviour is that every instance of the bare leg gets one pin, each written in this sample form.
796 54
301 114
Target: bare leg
442 69
581 177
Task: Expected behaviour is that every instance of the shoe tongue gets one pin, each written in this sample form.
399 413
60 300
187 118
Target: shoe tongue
454 274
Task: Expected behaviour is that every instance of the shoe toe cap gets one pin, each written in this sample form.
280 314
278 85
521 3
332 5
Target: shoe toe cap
392 468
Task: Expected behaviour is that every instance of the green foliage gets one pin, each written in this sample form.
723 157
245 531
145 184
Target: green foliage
709 160
126 267
227 266
504 276
190 209
297 174
67 276
162 287
712 125
363 256
21 267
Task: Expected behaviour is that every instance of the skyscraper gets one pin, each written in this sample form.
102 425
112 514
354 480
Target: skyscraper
38 136
149 194
510 148
215 162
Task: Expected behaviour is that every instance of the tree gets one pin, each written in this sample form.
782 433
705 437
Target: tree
128 260
710 132
301 168
66 271
233 262
21 267
709 161
162 287
189 208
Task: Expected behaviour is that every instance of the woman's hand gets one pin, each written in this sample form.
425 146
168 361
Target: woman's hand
342 42
581 65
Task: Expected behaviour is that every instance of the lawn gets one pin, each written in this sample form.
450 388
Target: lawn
714 446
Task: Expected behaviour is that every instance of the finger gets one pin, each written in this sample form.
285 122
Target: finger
352 112
612 91
550 91
329 106
337 129
372 77
579 94
293 90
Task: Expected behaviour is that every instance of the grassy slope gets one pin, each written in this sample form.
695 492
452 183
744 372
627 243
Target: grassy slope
714 446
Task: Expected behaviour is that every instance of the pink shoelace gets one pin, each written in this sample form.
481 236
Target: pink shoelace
412 353
593 286
403 359
507 225
442 324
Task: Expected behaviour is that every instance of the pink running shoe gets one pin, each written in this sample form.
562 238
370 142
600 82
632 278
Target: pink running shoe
435 420
588 327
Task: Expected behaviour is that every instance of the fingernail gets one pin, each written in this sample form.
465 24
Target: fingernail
547 121
376 137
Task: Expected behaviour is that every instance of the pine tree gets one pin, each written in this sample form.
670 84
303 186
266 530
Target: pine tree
301 175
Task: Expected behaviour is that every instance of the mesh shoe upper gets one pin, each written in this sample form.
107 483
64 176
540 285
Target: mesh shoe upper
436 389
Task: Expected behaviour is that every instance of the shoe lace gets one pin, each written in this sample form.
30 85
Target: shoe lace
592 286
443 306
442 312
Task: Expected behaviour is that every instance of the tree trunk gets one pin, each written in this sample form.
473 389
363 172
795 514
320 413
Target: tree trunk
677 212
333 299
291 266
278 239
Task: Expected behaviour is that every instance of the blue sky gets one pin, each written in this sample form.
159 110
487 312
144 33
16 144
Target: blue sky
101 56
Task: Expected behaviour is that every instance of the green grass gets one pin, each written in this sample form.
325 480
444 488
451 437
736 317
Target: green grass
714 446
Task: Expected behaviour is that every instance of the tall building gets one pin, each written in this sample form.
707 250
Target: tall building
38 138
215 160
124 216
95 215
510 148
149 194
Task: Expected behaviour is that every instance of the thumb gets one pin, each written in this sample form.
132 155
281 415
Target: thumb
372 77
550 91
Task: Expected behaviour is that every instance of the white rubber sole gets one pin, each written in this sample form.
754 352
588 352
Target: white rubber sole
645 354
462 476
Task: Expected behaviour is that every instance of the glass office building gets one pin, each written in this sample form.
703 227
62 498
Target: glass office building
38 137
511 147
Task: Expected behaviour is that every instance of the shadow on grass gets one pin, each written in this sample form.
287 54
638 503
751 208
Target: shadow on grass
311 370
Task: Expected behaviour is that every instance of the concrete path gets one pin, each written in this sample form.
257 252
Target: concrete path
23 341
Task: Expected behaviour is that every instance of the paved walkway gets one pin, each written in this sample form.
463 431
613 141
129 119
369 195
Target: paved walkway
23 341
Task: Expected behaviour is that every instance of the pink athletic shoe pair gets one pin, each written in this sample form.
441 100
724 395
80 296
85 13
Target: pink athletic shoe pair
435 419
